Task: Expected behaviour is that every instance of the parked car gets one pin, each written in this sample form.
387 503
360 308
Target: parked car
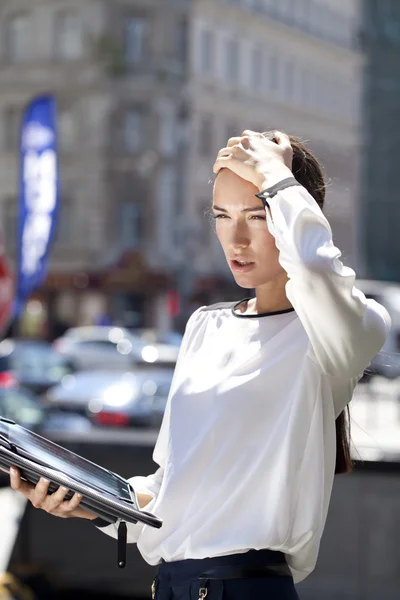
24 407
104 347
33 364
162 347
387 362
152 336
132 398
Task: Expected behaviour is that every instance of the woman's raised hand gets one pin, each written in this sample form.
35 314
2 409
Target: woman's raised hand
255 158
54 504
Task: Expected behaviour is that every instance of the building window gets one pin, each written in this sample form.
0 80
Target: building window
207 52
11 128
288 80
66 224
130 225
232 60
256 68
305 89
168 128
135 30
314 90
19 37
67 131
181 41
68 36
205 136
281 80
166 212
272 74
133 129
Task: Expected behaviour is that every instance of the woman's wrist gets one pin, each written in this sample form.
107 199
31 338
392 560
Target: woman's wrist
270 179
143 499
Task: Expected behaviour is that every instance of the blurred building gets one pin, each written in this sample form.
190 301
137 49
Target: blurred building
148 90
118 70
290 65
380 210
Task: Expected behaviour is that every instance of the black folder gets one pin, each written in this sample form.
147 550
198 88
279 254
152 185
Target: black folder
104 493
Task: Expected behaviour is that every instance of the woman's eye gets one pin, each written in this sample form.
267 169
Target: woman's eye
256 217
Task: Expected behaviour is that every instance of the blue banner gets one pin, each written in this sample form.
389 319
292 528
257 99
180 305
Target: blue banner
38 195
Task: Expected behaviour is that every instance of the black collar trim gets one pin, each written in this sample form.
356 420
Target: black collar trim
257 316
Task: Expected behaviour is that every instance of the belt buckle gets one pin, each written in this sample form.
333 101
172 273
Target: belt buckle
202 593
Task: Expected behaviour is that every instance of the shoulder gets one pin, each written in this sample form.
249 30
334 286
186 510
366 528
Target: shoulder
219 306
203 311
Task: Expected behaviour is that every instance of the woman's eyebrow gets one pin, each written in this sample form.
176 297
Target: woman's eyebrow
245 210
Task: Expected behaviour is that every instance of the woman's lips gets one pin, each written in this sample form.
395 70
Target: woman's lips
238 268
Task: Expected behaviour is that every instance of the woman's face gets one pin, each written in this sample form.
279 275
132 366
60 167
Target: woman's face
243 232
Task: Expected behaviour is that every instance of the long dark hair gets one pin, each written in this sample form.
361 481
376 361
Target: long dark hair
307 170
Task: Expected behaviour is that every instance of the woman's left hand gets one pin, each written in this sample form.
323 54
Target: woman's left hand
256 159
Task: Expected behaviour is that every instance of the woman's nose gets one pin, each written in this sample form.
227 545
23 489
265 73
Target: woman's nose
239 238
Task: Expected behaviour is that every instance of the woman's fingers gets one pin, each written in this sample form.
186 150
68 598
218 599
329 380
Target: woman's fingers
249 133
226 162
74 502
282 139
220 163
233 141
41 491
55 499
224 152
39 496
20 486
236 151
59 507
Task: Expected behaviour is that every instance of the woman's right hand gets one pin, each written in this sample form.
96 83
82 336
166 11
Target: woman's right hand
54 504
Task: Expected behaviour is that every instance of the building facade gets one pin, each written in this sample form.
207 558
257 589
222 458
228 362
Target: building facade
294 66
380 213
148 91
117 70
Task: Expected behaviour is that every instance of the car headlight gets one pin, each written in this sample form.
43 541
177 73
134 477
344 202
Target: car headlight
118 395
149 354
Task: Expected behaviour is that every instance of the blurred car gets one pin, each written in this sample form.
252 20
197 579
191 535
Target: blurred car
33 364
133 398
24 407
387 361
105 347
152 336
163 346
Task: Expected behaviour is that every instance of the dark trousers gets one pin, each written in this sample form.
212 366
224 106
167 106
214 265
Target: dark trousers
179 580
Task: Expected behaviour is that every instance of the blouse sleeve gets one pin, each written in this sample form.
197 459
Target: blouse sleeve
346 330
151 484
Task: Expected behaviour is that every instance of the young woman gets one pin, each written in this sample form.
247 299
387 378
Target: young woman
248 447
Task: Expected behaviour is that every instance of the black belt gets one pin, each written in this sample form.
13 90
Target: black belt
243 572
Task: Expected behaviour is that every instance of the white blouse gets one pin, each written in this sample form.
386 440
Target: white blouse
247 446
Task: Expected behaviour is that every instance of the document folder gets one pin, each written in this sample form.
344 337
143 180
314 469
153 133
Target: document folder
104 493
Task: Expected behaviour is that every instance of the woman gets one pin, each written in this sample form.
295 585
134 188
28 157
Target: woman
248 449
